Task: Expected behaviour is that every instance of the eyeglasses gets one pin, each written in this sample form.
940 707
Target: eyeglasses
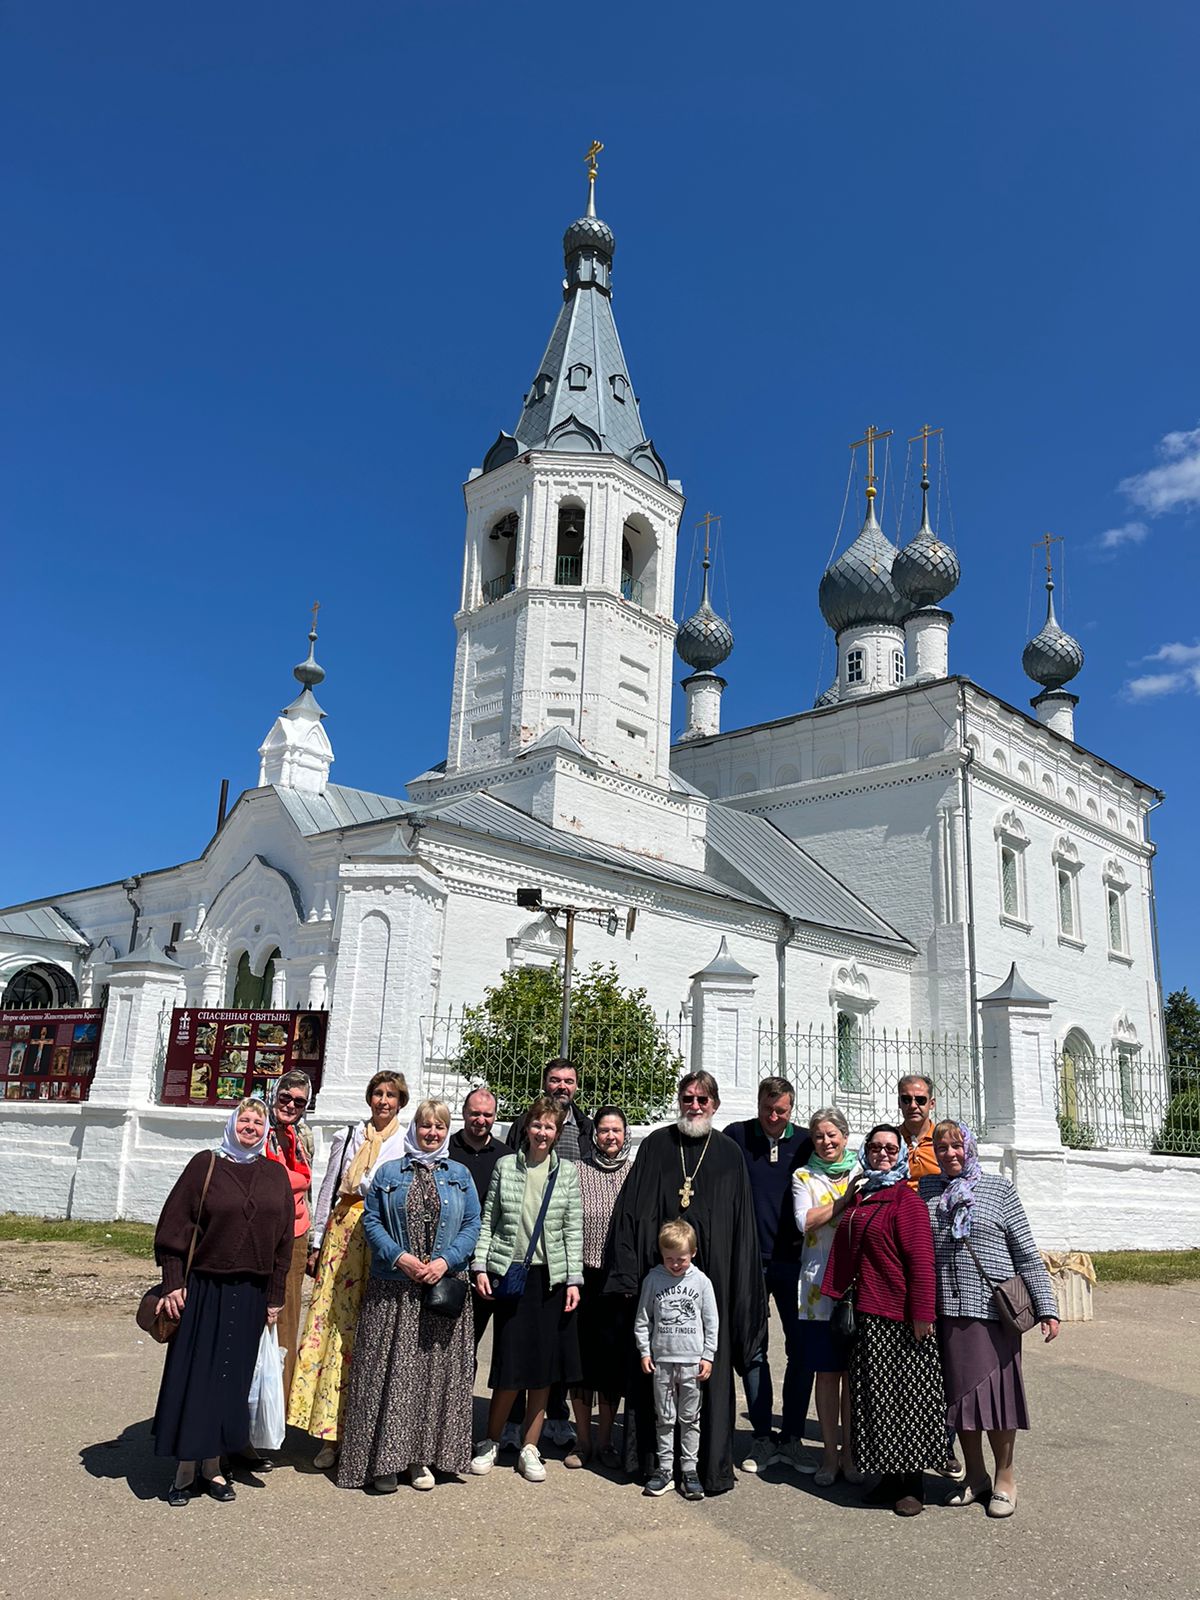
694 1100
291 1100
914 1099
883 1149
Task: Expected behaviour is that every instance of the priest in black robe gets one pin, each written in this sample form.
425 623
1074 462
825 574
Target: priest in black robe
691 1171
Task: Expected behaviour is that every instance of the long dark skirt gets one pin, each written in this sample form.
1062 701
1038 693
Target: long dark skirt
410 1387
981 1361
605 1336
898 1403
534 1341
203 1401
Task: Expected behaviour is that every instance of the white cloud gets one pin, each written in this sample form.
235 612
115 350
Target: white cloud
1184 679
1127 533
1173 485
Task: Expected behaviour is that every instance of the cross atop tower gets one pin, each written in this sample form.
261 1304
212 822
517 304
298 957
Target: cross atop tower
925 435
869 438
706 522
1047 540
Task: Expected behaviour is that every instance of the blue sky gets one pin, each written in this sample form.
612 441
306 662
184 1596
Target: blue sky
276 276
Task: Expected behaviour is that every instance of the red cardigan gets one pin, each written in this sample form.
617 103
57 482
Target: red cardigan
888 1236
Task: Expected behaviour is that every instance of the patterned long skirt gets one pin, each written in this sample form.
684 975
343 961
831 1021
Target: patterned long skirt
322 1379
899 1405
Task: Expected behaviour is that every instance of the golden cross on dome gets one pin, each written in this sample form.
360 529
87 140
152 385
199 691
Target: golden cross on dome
869 438
590 158
925 435
316 607
706 522
1047 540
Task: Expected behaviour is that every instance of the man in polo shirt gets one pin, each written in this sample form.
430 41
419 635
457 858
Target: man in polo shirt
773 1148
917 1119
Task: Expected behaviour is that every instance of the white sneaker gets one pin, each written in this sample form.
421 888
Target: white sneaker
421 1477
529 1465
510 1437
484 1458
762 1453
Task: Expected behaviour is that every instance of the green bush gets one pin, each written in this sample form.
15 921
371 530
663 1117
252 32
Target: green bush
1180 1132
1075 1135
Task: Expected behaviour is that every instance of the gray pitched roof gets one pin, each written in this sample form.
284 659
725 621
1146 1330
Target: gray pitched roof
1015 989
338 807
41 922
788 877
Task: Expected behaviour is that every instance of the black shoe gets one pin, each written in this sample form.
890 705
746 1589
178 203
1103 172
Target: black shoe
385 1483
690 1487
179 1496
222 1492
251 1461
658 1483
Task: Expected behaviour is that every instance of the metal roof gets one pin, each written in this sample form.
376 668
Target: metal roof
788 877
338 807
41 922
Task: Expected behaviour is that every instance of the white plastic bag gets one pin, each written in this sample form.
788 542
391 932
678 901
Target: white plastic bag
267 1419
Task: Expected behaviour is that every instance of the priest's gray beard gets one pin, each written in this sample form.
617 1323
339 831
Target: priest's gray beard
695 1127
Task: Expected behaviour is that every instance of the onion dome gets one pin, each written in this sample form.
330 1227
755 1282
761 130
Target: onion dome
829 698
705 639
926 570
589 233
858 586
1053 657
309 673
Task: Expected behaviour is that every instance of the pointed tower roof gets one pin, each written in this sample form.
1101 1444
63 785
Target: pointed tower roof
297 753
1052 657
581 398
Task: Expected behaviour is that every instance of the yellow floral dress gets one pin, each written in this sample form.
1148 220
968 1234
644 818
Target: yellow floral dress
322 1380
811 1189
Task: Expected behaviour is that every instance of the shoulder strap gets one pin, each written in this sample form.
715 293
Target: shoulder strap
212 1162
992 1283
350 1127
541 1218
861 1236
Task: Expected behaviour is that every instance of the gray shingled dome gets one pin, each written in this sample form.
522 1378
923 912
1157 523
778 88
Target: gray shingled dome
1053 657
829 698
926 570
704 640
858 586
589 233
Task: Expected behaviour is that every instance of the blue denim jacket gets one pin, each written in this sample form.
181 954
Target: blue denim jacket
386 1225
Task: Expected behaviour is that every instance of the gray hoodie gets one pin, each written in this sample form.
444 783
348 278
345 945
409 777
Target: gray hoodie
676 1317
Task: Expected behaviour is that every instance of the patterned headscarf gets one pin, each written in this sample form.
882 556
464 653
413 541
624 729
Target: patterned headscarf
883 1180
958 1197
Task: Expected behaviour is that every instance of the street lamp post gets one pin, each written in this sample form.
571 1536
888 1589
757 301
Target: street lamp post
531 900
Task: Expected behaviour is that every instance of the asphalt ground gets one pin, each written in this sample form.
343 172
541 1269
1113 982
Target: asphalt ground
1108 1495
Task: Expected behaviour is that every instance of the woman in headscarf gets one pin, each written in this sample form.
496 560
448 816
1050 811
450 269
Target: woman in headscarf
287 1144
821 1191
238 1208
605 1320
883 1255
339 1260
981 1237
409 1407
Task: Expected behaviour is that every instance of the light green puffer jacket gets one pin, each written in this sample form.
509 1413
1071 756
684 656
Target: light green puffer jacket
563 1230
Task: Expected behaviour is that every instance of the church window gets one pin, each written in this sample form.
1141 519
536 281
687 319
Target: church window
40 987
849 1061
541 387
897 666
1066 903
1127 1085
854 666
1116 922
568 560
1010 881
578 375
620 387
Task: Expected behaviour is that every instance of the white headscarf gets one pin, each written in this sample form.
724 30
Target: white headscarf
416 1152
231 1149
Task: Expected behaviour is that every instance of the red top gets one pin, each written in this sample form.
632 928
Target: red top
887 1238
283 1145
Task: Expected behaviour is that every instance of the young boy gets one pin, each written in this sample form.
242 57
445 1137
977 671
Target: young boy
676 1333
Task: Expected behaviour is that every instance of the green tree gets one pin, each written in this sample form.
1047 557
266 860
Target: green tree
1182 1016
618 1047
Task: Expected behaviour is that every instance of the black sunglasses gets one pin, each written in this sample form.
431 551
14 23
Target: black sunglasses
914 1099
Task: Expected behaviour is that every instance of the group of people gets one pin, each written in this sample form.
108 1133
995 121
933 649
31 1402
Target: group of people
603 1279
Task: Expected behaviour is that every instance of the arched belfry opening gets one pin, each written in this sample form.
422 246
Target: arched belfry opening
498 557
568 555
639 563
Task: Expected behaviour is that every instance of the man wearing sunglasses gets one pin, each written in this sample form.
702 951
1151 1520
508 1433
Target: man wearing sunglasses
917 1117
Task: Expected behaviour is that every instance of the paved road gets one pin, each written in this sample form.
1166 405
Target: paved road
1109 1497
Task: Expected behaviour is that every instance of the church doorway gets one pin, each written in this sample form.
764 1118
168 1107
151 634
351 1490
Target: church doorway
252 991
40 987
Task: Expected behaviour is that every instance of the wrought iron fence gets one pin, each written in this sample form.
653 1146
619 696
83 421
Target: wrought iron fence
497 588
1120 1102
568 570
858 1071
635 1065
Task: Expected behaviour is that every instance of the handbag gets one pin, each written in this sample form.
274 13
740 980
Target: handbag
1012 1300
446 1297
844 1320
161 1327
512 1284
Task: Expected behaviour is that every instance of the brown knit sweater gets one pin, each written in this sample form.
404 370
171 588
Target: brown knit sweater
247 1225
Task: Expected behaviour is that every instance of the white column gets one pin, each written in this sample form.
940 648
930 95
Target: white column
927 644
702 692
1019 1066
723 1031
1056 709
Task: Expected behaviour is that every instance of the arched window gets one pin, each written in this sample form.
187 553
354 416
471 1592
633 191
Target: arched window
251 991
855 666
40 987
1077 1072
498 558
568 558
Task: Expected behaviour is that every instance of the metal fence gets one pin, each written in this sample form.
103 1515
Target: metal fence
858 1071
635 1065
1119 1101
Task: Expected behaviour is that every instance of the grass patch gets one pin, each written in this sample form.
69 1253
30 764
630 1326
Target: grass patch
1147 1266
130 1238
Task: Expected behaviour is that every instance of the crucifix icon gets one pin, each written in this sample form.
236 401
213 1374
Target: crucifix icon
869 438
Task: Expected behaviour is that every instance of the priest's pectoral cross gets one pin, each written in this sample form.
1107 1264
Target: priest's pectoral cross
685 1194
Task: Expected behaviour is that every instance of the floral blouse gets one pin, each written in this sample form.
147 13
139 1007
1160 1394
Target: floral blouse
811 1189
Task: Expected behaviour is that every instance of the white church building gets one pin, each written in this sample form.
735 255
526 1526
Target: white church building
911 860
